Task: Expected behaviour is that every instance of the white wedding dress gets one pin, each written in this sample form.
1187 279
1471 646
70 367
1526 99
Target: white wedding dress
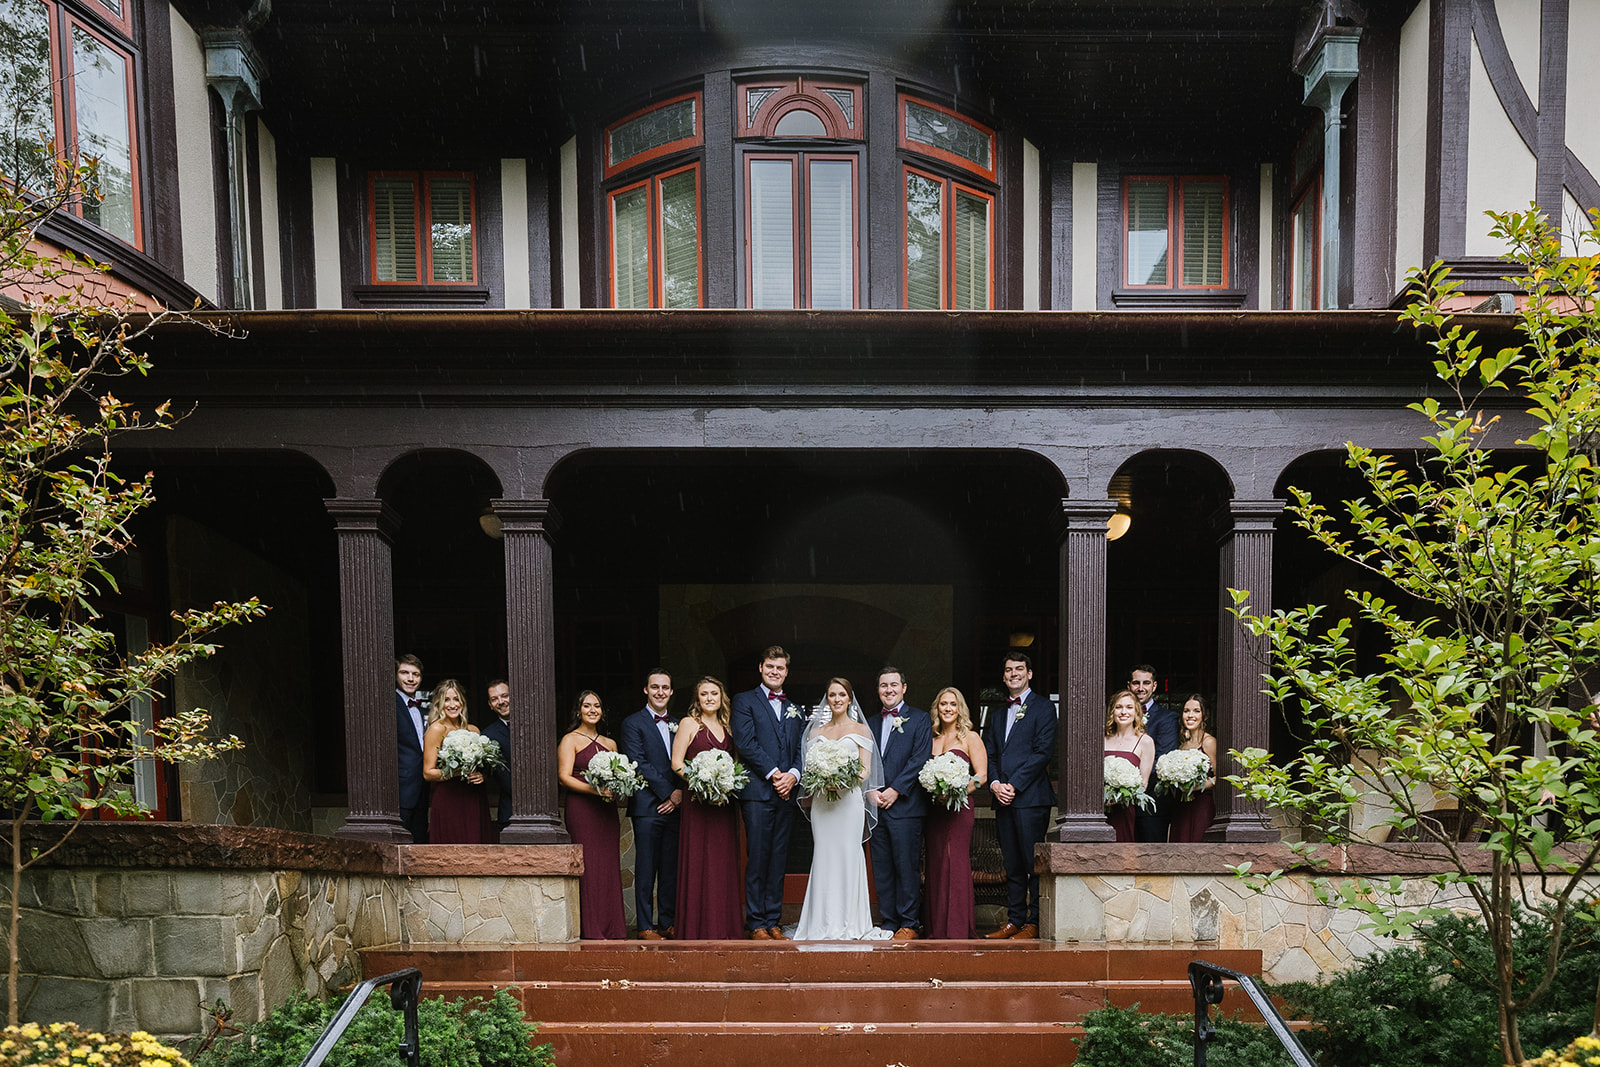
836 907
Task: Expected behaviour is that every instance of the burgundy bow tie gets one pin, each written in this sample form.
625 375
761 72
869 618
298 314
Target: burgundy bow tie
776 696
888 711
1013 700
413 702
659 718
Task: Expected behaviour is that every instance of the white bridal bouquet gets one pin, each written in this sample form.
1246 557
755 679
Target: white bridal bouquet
614 773
464 752
1183 772
833 768
946 779
1125 785
714 775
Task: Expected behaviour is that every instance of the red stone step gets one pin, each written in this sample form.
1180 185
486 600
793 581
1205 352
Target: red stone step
946 1002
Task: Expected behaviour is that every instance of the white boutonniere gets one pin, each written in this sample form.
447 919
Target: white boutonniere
898 724
794 712
672 727
1021 711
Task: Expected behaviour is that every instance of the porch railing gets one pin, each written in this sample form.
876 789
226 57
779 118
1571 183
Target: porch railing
406 988
1206 980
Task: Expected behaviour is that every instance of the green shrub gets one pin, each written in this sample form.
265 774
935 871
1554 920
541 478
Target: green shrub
1433 1003
452 1033
1123 1037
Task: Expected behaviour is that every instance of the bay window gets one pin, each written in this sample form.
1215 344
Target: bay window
948 217
70 94
653 206
800 230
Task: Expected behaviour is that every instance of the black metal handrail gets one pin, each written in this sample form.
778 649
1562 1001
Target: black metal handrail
1206 981
407 988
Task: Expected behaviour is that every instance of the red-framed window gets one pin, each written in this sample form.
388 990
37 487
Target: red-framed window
1176 231
933 130
800 108
421 228
655 241
1305 249
73 95
802 239
949 228
652 132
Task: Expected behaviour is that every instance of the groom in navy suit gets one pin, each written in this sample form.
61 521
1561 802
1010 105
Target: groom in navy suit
766 731
646 739
409 723
905 742
1022 742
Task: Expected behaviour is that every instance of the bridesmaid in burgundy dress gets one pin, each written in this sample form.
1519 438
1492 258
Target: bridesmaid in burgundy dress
1125 737
948 834
1192 818
710 899
592 822
458 808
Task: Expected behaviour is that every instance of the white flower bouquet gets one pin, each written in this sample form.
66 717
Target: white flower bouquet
1125 785
1183 772
832 768
464 753
713 776
614 773
946 779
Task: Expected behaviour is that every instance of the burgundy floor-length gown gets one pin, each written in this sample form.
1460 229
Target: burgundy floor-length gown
592 822
458 813
1192 818
1120 816
710 898
948 839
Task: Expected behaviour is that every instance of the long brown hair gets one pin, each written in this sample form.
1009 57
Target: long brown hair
722 700
1138 713
1205 717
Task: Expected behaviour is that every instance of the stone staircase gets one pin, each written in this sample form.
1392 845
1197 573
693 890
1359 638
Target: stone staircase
708 1003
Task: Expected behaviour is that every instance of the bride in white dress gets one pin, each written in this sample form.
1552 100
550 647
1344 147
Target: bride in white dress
836 907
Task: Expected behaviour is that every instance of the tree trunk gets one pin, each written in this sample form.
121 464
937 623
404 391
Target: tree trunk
13 972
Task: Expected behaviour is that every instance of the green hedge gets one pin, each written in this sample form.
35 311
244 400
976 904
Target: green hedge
1124 1037
458 1033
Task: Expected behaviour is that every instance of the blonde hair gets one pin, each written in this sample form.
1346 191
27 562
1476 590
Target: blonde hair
436 701
722 699
1138 712
963 716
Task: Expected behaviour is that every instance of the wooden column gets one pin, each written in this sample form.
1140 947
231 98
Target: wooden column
1080 740
365 531
1243 711
528 526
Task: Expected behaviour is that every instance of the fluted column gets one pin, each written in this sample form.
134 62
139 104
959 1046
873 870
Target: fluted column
1080 741
365 531
528 526
1243 711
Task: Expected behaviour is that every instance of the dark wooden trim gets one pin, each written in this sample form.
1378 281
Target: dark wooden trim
158 128
1005 227
591 252
1552 168
540 272
252 179
421 296
1444 221
1156 298
1581 183
296 234
222 213
1242 242
1372 250
128 264
1108 232
1057 215
488 230
884 217
719 247
352 196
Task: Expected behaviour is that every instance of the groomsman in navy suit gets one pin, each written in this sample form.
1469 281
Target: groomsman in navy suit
498 730
409 723
1162 725
1022 743
646 738
766 731
905 742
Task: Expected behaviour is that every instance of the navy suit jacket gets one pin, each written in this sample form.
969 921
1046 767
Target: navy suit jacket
1023 760
640 741
765 742
499 731
909 748
409 752
1162 726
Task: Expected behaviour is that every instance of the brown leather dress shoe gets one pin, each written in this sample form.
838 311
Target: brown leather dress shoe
905 933
669 933
760 934
777 934
1007 931
1030 932
650 935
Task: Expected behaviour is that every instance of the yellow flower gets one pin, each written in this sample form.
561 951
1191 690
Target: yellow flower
56 1028
96 1057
